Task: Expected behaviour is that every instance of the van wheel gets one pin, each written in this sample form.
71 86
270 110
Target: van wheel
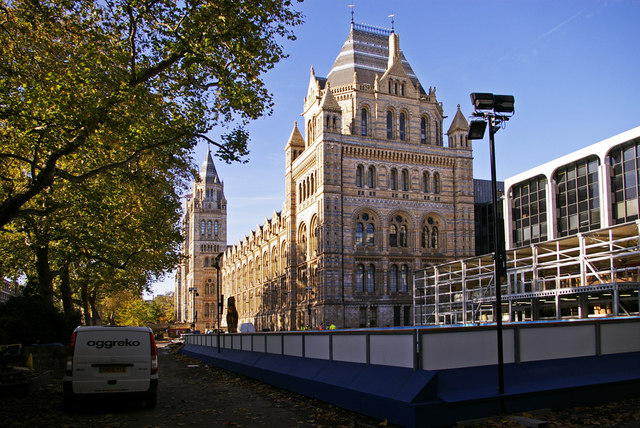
151 400
69 402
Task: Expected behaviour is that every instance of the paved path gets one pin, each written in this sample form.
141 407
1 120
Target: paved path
190 394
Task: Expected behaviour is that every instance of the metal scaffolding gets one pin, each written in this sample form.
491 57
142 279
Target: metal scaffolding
591 274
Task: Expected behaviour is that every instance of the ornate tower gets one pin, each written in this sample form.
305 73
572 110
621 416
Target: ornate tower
205 229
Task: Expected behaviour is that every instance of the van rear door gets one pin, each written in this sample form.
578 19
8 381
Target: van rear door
112 360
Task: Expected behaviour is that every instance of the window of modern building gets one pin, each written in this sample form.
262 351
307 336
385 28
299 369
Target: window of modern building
625 181
577 197
529 211
394 179
402 126
364 122
371 177
359 176
389 125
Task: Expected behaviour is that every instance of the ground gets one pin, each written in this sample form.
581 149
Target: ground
192 394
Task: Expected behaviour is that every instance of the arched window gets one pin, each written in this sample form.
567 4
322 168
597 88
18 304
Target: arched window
438 134
371 279
425 182
436 183
359 234
314 237
423 130
389 125
405 180
360 278
404 278
403 236
370 234
434 237
206 310
425 237
393 236
209 227
216 227
389 86
402 126
203 227
398 232
371 177
402 89
364 119
206 262
394 179
393 278
359 176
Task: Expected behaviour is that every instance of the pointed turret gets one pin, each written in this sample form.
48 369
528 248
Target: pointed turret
458 131
295 139
459 123
328 101
208 173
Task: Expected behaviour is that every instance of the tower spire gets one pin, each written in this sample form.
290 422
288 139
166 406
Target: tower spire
352 6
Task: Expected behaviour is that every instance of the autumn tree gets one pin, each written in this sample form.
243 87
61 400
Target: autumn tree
101 104
90 86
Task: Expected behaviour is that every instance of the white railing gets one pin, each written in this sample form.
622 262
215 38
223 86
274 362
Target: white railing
438 348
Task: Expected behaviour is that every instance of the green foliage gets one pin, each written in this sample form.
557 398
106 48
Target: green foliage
126 308
32 319
101 104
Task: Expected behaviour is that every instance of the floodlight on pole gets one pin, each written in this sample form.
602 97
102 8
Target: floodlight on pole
494 110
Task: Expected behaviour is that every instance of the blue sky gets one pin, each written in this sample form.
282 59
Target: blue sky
572 65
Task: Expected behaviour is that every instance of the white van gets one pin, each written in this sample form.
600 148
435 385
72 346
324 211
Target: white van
111 360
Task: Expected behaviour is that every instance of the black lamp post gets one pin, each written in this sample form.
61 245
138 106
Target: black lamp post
216 264
494 110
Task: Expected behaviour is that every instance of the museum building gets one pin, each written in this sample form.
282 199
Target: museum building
372 195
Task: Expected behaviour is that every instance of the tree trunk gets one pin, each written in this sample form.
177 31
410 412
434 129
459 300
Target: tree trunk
45 277
84 295
95 315
65 292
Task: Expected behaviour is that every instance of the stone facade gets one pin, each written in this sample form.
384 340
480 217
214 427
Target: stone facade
372 195
205 230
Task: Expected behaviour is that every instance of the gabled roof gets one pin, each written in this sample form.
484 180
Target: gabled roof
365 52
